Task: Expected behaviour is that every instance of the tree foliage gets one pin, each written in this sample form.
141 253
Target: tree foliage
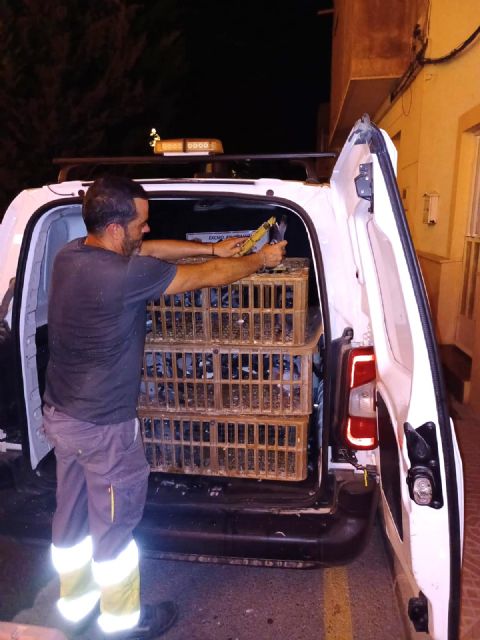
79 77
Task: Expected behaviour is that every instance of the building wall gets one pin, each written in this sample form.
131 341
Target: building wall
434 124
428 114
371 47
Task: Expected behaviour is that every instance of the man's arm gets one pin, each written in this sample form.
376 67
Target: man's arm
225 270
176 249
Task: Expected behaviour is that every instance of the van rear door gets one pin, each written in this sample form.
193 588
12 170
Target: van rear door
417 459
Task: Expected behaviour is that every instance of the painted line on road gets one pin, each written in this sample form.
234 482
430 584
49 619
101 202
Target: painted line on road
337 613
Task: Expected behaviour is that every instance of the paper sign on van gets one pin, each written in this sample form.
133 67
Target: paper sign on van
216 236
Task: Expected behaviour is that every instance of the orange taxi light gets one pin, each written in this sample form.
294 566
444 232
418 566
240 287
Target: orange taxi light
188 145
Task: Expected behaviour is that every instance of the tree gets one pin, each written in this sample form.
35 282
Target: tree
73 74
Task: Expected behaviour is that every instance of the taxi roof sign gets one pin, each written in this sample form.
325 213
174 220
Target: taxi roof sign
191 146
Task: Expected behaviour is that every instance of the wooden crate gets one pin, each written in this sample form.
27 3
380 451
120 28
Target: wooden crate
264 308
259 447
229 379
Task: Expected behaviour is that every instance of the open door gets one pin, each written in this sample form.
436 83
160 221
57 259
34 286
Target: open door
418 461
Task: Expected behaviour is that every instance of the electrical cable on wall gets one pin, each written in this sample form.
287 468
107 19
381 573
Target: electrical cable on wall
453 52
420 61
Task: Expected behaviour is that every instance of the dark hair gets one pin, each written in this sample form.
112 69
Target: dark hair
110 200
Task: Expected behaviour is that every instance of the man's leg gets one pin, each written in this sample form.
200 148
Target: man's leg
117 489
71 543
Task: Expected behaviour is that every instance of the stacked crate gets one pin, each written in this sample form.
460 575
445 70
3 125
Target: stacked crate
227 378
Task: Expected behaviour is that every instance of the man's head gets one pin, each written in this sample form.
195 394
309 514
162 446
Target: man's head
116 208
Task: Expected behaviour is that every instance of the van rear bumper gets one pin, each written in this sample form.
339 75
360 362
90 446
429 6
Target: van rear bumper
308 536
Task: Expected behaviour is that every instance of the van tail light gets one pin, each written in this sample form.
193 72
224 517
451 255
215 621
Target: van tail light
361 422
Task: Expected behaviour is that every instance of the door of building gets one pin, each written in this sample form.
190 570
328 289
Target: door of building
471 267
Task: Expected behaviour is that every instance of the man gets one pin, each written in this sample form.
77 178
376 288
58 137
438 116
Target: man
96 336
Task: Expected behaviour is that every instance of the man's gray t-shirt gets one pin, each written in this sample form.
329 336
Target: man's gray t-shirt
96 329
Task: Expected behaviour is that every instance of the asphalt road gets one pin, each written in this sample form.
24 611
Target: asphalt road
222 602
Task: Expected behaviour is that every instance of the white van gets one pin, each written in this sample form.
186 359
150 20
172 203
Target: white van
277 447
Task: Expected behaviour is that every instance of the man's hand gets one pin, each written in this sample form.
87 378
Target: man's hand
212 273
227 248
273 254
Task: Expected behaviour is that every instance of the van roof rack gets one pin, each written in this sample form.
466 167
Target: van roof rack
217 163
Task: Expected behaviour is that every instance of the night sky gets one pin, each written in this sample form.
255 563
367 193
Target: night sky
250 72
260 70
86 78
